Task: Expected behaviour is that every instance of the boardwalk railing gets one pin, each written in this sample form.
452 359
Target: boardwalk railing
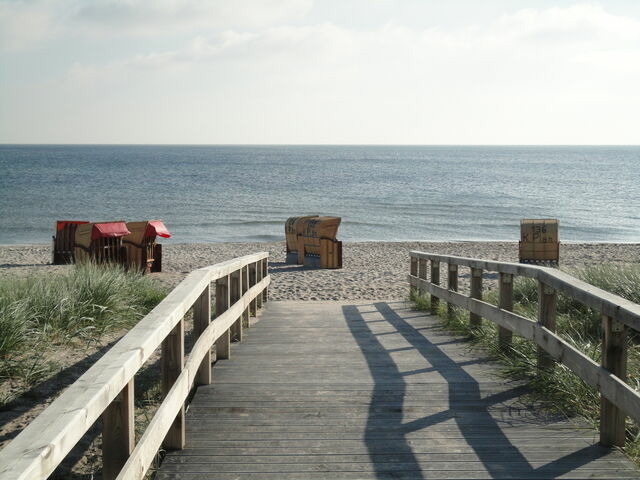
106 389
617 398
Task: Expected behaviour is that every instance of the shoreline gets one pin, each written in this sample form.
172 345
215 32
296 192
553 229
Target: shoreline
165 242
563 242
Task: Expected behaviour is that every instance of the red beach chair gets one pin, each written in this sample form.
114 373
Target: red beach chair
64 241
143 252
101 243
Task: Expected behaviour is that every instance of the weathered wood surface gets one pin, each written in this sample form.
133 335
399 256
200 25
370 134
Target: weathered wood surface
616 390
609 304
335 390
45 442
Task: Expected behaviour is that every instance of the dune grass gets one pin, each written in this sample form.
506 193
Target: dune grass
558 389
80 305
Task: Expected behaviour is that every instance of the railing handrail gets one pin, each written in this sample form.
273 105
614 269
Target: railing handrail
45 442
618 398
614 306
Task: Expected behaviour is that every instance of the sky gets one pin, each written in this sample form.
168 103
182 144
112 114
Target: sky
320 72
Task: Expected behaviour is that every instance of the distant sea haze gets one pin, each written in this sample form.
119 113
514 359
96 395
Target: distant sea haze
388 193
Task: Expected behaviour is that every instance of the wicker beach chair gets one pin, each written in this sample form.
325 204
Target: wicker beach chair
64 241
539 241
101 243
292 229
143 252
315 241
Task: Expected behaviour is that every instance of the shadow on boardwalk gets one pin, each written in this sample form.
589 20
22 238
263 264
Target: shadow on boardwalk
499 456
372 391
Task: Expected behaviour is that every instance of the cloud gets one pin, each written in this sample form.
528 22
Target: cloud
513 46
147 16
24 23
536 75
578 24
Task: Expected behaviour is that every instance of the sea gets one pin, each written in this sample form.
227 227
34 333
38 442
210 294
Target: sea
382 193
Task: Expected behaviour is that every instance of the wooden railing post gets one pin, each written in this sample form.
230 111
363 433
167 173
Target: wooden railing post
235 286
476 292
243 290
265 272
505 336
614 359
547 301
413 271
223 344
259 279
452 284
422 274
201 320
435 280
172 365
118 433
253 305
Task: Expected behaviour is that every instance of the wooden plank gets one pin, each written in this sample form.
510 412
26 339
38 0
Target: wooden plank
143 455
243 290
324 253
260 276
172 364
609 304
413 271
602 301
118 432
253 307
223 301
44 443
489 265
265 274
614 359
476 292
611 387
435 280
452 283
505 335
301 251
547 300
201 320
295 418
422 271
235 288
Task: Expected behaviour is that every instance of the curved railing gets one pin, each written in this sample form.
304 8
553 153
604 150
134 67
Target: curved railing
618 398
106 389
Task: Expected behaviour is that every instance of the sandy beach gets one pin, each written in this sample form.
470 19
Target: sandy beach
372 270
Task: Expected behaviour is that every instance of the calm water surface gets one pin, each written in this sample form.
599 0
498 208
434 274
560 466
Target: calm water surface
244 193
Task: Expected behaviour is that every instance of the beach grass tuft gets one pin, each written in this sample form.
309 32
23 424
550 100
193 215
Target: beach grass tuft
82 304
557 389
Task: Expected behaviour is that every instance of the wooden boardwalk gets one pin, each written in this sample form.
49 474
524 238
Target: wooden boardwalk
372 390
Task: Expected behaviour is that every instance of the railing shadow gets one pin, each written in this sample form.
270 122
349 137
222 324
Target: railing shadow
499 457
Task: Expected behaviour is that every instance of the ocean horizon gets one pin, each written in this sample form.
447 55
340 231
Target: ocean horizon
244 193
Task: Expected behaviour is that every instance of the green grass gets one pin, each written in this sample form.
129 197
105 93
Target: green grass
82 304
558 389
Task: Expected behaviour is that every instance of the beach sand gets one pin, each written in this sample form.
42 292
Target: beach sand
372 270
